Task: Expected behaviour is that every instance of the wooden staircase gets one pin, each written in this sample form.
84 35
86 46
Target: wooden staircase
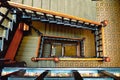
27 14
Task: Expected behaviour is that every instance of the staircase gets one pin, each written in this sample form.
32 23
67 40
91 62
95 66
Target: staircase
7 27
26 14
27 50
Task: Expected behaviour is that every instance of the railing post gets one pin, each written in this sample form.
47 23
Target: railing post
41 47
96 44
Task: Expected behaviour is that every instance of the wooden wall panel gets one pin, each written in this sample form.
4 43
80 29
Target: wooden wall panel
46 4
61 6
54 28
17 1
28 2
50 29
37 3
77 8
54 5
67 6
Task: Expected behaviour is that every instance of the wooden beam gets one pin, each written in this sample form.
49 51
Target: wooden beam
13 47
17 5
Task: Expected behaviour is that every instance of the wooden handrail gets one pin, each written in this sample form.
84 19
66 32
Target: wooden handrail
46 59
56 59
17 5
81 59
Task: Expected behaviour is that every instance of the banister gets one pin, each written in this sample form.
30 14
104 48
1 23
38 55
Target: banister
56 59
17 5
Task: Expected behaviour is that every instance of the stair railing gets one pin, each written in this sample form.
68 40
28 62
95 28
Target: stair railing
7 23
32 13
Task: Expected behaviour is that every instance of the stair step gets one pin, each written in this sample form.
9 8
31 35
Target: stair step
99 39
73 24
99 34
52 20
100 51
59 21
99 45
67 23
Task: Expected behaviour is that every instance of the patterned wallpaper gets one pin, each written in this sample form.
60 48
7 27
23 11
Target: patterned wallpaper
110 10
